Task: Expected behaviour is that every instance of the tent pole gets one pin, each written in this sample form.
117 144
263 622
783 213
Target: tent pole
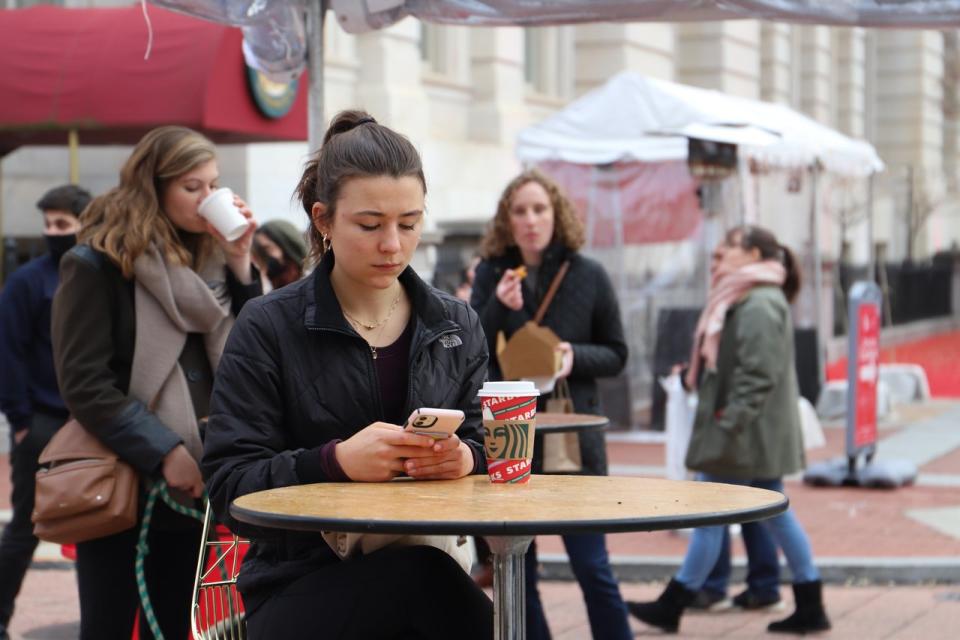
73 144
316 124
817 272
871 258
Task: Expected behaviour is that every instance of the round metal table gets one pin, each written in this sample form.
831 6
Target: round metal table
566 422
507 515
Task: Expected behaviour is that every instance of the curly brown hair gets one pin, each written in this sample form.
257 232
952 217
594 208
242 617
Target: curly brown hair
567 228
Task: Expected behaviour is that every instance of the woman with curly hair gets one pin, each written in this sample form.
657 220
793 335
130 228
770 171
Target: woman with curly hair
534 233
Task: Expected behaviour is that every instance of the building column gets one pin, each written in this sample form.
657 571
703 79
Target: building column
776 60
909 131
814 89
849 72
605 49
909 97
499 110
720 55
389 86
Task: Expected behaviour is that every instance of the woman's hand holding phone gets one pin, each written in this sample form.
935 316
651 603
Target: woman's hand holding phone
377 452
450 458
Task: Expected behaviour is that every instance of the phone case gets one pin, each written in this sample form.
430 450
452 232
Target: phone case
436 423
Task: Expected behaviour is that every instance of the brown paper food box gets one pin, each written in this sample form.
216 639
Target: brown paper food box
531 352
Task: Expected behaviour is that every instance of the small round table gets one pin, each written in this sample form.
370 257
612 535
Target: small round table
507 515
566 422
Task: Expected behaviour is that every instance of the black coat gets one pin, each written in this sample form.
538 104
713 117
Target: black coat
294 376
584 313
94 330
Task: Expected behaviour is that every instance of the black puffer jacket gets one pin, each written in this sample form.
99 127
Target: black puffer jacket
584 313
295 375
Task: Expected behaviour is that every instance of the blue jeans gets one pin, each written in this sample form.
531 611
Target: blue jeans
763 565
706 542
601 593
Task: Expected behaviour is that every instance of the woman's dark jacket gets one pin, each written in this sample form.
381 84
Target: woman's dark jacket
294 376
94 333
748 423
584 313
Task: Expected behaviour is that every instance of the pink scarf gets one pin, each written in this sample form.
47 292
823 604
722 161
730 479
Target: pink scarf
726 289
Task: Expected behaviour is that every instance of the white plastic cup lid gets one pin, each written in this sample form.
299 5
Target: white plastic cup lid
508 388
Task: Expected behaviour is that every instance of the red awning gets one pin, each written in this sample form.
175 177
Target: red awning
84 69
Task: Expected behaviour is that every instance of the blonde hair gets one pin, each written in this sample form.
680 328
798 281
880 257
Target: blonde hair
123 222
567 228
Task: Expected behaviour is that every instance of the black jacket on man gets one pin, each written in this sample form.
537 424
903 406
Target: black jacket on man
584 313
295 375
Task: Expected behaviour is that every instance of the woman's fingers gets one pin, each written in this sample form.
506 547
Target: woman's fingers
443 467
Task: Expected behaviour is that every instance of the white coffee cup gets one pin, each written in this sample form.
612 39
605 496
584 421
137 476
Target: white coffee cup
219 210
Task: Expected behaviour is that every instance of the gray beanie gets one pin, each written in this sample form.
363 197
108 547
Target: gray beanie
287 237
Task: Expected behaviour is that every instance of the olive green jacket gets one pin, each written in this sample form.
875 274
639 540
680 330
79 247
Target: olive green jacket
748 423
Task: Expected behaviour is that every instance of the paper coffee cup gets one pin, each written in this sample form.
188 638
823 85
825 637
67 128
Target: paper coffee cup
509 425
219 210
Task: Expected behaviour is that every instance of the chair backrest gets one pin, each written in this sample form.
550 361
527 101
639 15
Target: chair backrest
217 612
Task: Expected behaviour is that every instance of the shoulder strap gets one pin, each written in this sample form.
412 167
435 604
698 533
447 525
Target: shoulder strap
552 291
89 254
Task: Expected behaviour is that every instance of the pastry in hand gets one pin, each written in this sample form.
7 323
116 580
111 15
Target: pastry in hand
520 272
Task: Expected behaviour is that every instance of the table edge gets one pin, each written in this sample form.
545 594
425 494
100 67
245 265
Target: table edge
597 426
495 528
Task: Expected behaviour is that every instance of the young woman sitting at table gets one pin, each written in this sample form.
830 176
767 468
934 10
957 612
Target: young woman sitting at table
313 386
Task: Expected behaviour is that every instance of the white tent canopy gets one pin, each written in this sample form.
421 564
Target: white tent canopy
627 119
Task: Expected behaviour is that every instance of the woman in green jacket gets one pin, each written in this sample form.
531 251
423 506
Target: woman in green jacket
747 427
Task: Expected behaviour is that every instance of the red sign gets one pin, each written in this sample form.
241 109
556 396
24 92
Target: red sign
868 371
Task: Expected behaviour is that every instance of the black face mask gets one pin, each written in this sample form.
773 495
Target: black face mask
59 245
275 267
282 272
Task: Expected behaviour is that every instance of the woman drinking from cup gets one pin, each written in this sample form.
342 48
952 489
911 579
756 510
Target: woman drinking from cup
317 379
534 232
145 303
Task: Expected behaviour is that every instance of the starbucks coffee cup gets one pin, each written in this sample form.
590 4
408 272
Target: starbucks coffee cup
509 425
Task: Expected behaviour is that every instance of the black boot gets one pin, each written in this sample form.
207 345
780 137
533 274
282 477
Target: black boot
809 616
665 612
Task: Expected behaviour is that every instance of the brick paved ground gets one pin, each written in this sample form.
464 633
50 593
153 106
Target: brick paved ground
47 610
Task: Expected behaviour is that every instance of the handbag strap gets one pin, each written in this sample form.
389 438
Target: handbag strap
552 291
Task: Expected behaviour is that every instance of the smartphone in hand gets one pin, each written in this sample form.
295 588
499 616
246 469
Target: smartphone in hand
436 423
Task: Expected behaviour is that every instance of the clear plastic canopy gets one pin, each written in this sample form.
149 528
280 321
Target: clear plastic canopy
275 34
358 16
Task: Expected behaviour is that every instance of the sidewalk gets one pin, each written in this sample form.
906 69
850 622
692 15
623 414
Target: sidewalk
47 610
907 535
891 558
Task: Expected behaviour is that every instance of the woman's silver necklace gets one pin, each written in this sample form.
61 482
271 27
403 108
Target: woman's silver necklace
379 325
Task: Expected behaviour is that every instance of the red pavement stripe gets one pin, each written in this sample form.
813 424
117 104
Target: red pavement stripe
937 355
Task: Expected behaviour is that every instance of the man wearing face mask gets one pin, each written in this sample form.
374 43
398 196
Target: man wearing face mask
278 251
29 396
